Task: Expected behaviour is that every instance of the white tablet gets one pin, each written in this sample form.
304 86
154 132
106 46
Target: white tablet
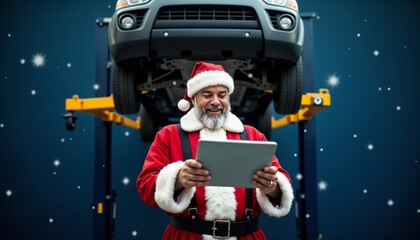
233 163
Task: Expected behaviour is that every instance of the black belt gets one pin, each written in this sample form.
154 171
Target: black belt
216 228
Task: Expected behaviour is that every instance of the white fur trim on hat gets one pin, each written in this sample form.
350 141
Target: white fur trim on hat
209 78
286 198
165 189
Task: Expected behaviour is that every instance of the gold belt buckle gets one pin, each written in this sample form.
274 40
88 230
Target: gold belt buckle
214 228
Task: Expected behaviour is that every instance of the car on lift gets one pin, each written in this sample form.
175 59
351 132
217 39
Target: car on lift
155 43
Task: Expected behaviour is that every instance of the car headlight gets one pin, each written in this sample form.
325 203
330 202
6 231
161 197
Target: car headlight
284 3
126 3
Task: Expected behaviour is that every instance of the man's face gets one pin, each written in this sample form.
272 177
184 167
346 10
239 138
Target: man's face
211 105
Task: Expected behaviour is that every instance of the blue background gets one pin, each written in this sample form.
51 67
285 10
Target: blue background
368 193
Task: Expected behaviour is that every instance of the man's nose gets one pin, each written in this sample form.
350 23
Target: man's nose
215 100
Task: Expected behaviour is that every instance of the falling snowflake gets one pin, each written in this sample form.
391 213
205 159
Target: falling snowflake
78 187
354 135
126 181
390 202
134 233
358 35
63 140
127 133
56 162
389 89
1 125
69 65
333 80
376 53
321 149
33 92
299 176
9 35
96 86
322 185
51 220
418 210
398 108
22 61
370 146
9 193
307 215
38 60
379 89
365 191
295 155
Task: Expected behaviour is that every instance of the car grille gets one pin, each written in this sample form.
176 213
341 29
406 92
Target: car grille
207 16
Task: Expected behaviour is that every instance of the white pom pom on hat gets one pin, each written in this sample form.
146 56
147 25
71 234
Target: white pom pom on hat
205 75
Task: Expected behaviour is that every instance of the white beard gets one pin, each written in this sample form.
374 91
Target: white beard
211 122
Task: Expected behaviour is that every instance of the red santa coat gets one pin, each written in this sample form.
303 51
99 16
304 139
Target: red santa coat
156 181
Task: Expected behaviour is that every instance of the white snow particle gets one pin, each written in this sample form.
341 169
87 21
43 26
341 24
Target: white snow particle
365 191
9 192
1 125
390 202
33 92
9 35
134 233
299 176
78 187
63 140
38 60
370 146
321 149
295 155
333 80
322 185
56 162
354 135
22 61
389 89
307 215
126 181
127 133
51 220
398 108
96 86
304 130
379 89
69 65
376 53
418 210
358 35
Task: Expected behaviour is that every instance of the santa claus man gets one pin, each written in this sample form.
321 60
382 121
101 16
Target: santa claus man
174 181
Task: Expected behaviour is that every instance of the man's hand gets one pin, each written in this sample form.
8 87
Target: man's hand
266 181
192 174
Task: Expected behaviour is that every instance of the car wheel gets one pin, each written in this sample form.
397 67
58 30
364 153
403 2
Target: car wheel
124 88
263 123
149 125
288 93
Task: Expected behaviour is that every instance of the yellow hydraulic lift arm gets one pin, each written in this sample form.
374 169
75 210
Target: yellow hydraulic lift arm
103 108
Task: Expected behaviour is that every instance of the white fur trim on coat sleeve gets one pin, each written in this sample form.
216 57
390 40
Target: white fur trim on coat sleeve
165 188
286 198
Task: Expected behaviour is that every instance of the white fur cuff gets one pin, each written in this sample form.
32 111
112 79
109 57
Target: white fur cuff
165 188
286 198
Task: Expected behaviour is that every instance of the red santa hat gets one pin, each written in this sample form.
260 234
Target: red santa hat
205 75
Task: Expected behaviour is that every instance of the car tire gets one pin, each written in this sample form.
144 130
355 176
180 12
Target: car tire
124 88
149 125
263 123
288 93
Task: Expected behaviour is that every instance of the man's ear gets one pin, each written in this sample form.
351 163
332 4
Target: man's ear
193 100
